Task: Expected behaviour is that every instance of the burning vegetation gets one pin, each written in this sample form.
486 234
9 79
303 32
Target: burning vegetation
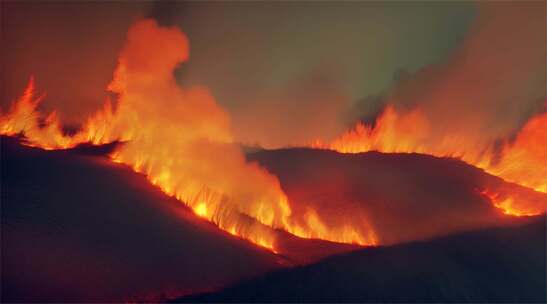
182 141
521 161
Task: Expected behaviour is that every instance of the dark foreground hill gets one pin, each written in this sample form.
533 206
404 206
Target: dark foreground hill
499 265
78 227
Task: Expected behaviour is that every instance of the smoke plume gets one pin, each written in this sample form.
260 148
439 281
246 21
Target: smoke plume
493 82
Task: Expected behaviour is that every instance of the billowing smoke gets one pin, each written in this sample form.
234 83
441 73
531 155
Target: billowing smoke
183 141
308 108
491 84
484 105
178 137
181 138
287 72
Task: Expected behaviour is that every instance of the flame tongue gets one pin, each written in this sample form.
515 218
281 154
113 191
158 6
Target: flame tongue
180 139
521 161
23 118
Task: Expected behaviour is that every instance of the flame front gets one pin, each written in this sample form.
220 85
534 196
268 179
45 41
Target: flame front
522 161
181 140
23 118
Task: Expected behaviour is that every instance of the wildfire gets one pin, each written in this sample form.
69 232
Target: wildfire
181 140
24 119
521 161
342 234
510 203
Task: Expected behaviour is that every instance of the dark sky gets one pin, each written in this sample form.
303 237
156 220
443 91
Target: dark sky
271 65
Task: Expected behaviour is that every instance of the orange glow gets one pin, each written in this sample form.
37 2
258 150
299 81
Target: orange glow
522 161
201 210
510 203
23 118
343 234
181 140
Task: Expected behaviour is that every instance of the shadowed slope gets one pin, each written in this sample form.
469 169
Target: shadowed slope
401 197
494 265
77 227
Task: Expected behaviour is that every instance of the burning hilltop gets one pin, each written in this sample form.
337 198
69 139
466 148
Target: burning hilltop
181 140
521 161
156 185
484 105
179 137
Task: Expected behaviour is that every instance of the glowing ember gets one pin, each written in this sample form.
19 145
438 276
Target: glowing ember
201 210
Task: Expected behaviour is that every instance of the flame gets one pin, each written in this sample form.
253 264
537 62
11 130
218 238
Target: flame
201 210
23 118
524 160
521 161
343 234
510 202
181 140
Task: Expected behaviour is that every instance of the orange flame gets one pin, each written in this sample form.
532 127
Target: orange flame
23 118
524 160
181 140
521 161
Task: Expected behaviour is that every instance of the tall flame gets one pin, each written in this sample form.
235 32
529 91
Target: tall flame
181 140
23 118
